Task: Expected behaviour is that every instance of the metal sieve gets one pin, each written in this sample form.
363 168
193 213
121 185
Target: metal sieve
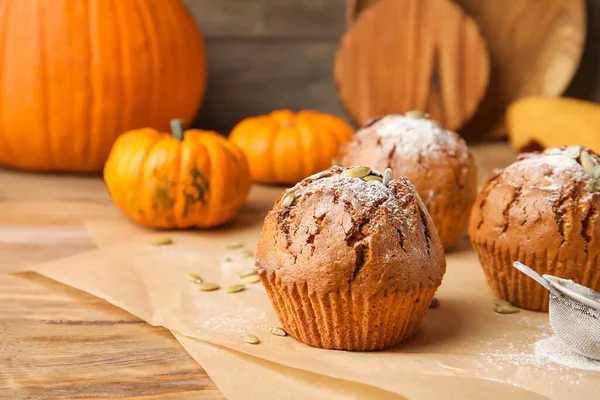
574 312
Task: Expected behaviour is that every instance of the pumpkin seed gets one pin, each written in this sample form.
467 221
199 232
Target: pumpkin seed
357 172
277 331
234 245
387 176
194 278
501 302
435 303
594 185
163 241
251 339
574 152
417 114
288 200
370 178
247 253
554 152
208 287
504 307
247 272
251 279
596 172
238 287
587 163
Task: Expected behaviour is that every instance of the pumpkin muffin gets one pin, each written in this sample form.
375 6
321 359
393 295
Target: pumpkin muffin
349 262
435 160
543 211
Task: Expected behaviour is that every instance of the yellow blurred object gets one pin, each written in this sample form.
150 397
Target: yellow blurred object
552 122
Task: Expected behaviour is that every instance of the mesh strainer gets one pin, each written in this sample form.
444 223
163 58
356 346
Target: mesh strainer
574 312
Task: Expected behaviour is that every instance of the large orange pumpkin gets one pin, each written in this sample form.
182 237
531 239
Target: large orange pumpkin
286 147
193 179
74 74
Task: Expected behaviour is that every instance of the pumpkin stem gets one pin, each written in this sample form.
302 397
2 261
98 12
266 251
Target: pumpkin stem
177 128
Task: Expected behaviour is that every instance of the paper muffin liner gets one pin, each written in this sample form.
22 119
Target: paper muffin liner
510 284
450 221
337 320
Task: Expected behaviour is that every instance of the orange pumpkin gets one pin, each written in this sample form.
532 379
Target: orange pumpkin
192 179
286 147
74 74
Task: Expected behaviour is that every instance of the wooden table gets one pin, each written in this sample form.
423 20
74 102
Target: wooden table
57 342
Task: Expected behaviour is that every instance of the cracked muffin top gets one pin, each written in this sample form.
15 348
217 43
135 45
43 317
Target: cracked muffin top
547 201
333 231
436 161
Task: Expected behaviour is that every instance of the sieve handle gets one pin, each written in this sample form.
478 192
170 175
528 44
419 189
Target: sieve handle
536 277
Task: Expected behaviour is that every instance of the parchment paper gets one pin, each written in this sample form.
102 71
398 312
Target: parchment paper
463 350
238 375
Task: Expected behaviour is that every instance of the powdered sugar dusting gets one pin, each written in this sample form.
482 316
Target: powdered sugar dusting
367 193
356 191
416 135
552 162
558 164
393 125
549 353
556 351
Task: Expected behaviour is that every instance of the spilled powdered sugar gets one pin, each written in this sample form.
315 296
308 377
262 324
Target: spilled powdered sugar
550 353
555 350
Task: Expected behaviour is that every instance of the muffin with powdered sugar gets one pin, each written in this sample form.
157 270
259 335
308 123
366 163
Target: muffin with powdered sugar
350 259
435 160
544 211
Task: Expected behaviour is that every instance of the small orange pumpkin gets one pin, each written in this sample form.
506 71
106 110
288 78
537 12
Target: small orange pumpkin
286 147
192 179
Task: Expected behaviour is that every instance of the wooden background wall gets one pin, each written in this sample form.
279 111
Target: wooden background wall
267 54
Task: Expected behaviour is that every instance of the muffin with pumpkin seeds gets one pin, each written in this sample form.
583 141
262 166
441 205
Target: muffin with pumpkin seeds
350 259
544 211
435 160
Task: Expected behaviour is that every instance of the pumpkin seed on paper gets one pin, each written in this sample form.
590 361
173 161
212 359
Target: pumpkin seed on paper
162 241
277 331
247 272
235 288
251 279
251 339
194 278
208 287
234 245
247 253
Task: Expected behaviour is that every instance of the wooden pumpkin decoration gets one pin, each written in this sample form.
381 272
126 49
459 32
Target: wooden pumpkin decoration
286 147
75 75
190 179
403 55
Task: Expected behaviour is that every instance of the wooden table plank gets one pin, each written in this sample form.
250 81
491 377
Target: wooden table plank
57 342
60 343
